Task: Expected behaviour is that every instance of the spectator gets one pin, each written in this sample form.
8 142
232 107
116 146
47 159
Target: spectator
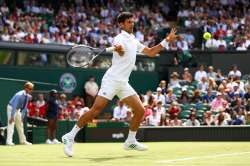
200 73
153 119
211 73
187 76
208 119
174 110
79 110
192 121
174 81
234 72
41 105
218 103
163 86
184 99
120 112
170 96
159 96
175 121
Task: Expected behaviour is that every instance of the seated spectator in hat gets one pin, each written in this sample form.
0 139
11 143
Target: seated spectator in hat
170 96
184 98
79 110
218 102
187 77
208 119
175 121
192 121
159 96
174 81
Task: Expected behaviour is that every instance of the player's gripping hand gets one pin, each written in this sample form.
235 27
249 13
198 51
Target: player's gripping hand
171 37
119 49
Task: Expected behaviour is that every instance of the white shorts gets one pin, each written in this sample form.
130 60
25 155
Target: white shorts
110 88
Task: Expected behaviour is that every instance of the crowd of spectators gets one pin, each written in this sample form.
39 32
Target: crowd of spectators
79 22
206 98
93 22
227 20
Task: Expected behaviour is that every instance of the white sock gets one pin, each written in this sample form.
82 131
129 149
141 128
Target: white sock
131 136
74 130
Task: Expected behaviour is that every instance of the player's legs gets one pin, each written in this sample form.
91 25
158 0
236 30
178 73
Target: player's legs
99 104
135 104
68 139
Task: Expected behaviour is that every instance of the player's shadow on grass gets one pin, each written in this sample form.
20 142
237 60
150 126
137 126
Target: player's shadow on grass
102 159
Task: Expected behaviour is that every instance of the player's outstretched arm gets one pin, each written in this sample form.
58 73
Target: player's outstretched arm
153 51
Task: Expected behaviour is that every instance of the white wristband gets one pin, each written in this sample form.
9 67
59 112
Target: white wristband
164 43
110 49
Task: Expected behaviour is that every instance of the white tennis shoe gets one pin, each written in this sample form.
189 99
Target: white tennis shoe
68 142
135 145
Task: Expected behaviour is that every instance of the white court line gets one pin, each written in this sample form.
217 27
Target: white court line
202 157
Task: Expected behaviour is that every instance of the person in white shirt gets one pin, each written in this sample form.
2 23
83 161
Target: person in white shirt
120 112
200 73
211 43
115 82
192 121
153 119
234 72
159 96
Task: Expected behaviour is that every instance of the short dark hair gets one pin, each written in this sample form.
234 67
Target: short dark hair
124 16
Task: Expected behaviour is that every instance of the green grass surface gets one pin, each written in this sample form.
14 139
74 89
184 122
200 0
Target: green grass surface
112 154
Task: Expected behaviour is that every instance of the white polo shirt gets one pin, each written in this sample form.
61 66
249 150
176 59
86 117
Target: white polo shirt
122 66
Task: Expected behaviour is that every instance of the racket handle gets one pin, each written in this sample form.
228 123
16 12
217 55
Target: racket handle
110 49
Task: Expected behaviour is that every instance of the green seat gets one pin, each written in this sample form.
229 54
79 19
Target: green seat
184 114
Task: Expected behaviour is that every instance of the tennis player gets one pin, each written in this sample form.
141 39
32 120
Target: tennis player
115 82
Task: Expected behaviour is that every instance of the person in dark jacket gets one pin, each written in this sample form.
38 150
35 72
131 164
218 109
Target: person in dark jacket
52 113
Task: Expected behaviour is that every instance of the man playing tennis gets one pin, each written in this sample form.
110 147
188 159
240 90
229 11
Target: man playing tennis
115 82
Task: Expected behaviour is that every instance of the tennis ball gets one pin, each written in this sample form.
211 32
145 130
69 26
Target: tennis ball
207 35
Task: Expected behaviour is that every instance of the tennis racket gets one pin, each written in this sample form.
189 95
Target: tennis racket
83 55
